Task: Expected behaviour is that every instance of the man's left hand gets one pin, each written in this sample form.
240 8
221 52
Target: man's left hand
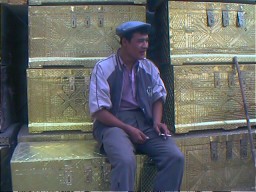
161 128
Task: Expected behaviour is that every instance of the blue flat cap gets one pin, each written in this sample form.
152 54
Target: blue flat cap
129 26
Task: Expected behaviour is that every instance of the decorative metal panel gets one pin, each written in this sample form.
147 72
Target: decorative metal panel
14 2
219 161
57 166
211 32
205 97
43 2
63 165
51 62
58 99
25 136
214 160
148 174
85 32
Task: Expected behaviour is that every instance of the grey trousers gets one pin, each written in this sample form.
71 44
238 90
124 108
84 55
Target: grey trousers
121 153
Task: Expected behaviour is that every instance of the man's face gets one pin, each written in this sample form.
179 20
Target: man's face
137 47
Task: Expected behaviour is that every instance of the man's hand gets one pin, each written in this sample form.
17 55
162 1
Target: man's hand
161 128
137 136
109 119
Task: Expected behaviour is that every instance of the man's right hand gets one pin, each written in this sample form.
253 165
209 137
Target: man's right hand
109 119
137 136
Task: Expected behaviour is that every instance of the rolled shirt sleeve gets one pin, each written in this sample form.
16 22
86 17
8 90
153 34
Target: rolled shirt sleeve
159 90
99 91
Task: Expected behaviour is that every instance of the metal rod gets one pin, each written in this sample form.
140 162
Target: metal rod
245 110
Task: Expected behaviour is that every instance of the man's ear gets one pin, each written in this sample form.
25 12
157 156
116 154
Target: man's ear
124 41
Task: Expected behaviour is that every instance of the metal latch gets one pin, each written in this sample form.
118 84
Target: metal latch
243 148
73 17
214 151
225 18
88 174
241 18
101 16
229 150
101 20
243 75
231 79
72 86
68 175
216 80
210 17
87 21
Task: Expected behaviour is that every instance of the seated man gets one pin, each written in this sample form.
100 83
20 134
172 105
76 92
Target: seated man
126 100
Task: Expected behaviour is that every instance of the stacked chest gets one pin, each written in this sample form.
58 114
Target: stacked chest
65 42
197 44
